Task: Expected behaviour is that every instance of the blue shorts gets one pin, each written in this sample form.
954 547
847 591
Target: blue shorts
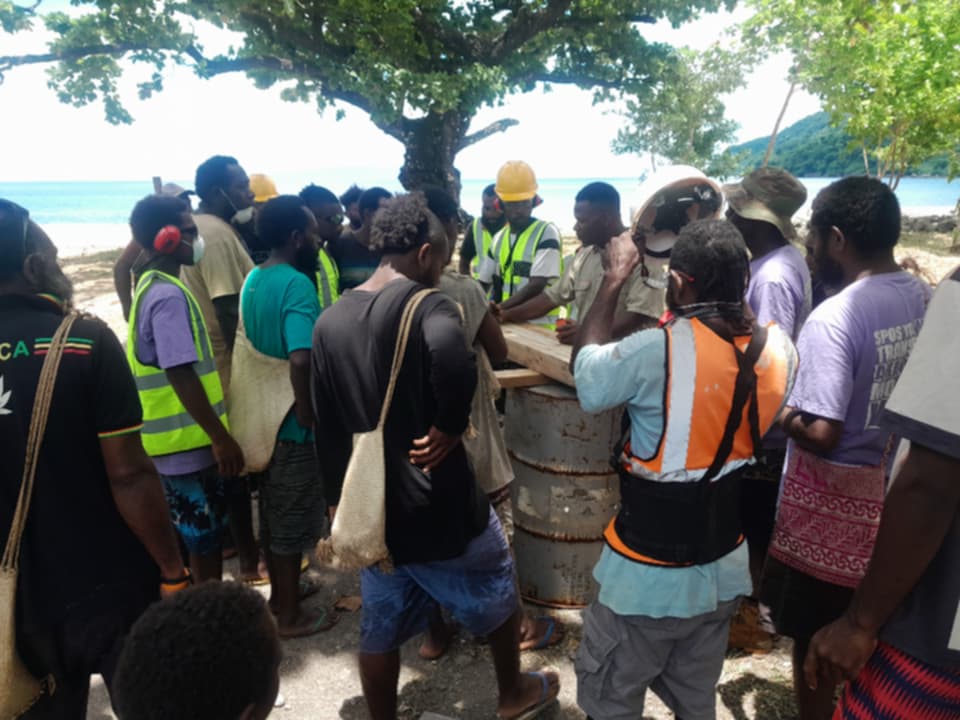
479 588
198 507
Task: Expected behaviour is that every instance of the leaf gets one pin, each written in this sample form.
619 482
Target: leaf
4 399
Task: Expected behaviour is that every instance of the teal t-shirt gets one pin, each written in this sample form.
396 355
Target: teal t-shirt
280 306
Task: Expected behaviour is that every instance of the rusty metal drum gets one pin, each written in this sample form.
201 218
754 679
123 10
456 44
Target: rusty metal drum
564 494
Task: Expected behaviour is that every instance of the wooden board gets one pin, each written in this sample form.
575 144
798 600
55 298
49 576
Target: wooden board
520 378
536 348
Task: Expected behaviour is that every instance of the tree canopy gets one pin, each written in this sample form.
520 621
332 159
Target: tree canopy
888 70
683 118
420 68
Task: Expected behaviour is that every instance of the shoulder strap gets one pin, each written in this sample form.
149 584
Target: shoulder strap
744 389
403 334
38 425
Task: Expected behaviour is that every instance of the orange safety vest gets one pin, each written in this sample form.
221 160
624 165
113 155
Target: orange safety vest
702 372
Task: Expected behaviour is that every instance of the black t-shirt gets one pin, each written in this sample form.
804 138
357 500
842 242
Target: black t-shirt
355 261
77 551
429 517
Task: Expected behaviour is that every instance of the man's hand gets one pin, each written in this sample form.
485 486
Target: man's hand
620 257
430 450
496 311
838 652
228 455
567 331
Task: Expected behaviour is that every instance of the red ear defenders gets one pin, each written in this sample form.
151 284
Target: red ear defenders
167 240
498 205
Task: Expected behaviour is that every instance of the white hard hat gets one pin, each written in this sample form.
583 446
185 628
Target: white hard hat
668 178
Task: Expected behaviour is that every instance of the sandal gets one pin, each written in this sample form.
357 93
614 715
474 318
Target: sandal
322 623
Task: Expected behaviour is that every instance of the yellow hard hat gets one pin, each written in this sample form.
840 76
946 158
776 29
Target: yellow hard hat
263 188
516 182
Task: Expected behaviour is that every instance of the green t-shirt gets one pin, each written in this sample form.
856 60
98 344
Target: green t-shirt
279 307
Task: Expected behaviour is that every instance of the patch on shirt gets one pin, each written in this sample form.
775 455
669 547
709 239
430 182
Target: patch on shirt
4 399
73 346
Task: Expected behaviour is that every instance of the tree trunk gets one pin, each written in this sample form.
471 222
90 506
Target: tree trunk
431 145
776 127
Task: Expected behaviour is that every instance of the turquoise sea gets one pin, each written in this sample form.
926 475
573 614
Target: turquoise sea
111 202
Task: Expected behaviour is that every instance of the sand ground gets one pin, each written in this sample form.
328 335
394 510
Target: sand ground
319 678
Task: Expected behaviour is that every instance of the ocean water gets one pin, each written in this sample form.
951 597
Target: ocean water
109 203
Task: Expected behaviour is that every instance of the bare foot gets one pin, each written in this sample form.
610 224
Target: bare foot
436 641
539 633
308 623
537 691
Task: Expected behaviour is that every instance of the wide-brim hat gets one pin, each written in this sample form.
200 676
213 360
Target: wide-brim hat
769 195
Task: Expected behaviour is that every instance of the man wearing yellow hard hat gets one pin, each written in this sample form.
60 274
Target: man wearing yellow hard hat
525 255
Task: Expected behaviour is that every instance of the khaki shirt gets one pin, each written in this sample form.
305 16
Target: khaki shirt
581 281
220 273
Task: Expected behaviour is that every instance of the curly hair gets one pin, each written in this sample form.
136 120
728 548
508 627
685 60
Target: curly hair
714 255
864 209
207 652
404 223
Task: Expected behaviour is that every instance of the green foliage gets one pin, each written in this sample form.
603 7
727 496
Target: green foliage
889 70
813 147
420 68
684 119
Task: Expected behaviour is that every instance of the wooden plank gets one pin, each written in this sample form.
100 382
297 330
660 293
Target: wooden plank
520 378
536 348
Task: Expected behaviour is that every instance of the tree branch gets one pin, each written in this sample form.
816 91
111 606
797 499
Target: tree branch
526 25
492 129
560 78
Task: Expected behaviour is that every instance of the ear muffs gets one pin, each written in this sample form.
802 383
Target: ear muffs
537 200
497 205
167 240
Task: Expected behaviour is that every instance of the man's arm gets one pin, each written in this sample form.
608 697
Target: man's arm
534 287
189 389
491 338
123 276
535 307
626 323
300 379
227 308
139 497
811 432
917 514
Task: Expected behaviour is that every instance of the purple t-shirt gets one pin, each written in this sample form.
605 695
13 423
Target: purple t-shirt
165 340
779 289
852 349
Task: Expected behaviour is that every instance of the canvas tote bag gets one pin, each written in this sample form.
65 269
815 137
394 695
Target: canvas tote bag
358 536
260 398
19 690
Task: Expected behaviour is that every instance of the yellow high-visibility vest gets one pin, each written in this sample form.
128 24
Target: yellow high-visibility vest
328 280
517 261
482 240
167 426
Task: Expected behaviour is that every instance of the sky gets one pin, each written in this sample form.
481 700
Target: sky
560 133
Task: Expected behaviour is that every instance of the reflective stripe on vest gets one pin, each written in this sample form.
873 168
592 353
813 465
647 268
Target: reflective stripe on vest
699 392
526 248
482 240
328 280
167 426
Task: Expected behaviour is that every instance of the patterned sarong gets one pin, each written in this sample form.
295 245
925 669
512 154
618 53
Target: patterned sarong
828 518
897 686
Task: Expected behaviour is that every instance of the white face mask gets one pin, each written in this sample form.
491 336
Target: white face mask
240 217
198 249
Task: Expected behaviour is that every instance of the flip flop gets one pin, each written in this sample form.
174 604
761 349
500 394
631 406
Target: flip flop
548 638
545 700
261 578
324 622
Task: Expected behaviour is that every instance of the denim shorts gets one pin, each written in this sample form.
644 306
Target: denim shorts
479 588
198 507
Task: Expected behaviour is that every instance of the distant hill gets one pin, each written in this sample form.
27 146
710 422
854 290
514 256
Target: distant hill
811 148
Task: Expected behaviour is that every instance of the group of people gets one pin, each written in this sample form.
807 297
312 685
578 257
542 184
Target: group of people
782 462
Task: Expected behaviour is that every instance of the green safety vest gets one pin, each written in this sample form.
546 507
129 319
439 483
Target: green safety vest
167 426
328 280
482 240
517 261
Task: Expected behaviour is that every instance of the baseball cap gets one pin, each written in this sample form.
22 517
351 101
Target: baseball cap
770 195
174 190
263 188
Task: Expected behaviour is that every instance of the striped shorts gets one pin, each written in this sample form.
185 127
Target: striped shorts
895 686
